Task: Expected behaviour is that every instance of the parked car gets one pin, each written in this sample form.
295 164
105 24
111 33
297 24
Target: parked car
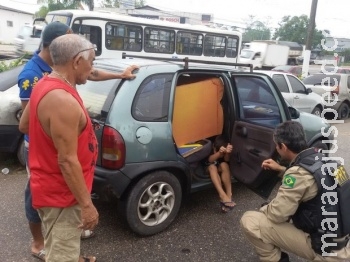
11 140
331 70
156 131
295 92
294 70
335 88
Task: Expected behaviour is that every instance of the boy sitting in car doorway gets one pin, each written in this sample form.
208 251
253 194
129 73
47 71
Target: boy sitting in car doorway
220 174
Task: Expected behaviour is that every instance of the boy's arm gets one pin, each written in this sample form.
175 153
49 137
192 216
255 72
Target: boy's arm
228 152
215 156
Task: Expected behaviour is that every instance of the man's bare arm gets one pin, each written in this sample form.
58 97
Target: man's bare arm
100 75
24 121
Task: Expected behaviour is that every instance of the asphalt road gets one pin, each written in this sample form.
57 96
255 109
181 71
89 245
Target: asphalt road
199 233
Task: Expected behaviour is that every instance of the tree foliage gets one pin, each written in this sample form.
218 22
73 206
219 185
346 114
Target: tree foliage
51 5
256 30
295 29
116 3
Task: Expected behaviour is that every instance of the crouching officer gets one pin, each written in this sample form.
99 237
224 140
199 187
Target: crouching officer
306 217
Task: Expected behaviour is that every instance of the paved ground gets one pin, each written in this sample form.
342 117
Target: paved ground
7 51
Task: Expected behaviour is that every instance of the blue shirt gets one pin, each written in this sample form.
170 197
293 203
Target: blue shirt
32 72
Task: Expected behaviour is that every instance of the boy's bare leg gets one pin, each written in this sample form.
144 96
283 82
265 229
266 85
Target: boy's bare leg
226 179
215 178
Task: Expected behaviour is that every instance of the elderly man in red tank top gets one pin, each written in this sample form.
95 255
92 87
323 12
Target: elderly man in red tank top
63 150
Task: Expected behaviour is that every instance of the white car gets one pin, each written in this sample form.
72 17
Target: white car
295 92
335 87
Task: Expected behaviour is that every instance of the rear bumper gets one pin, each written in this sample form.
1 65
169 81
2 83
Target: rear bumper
10 137
108 183
335 106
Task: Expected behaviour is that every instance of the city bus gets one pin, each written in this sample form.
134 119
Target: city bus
114 34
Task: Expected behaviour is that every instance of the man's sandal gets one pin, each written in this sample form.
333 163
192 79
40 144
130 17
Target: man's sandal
85 234
89 259
40 255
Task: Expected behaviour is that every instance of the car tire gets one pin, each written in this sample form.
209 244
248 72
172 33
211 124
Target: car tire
317 111
321 146
153 203
20 152
343 111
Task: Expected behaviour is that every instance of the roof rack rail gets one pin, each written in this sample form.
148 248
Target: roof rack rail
186 60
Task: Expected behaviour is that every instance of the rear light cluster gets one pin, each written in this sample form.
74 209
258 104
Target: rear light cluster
113 149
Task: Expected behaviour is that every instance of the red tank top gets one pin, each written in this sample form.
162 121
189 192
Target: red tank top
47 184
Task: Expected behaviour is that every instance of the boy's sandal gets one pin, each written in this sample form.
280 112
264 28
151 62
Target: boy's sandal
225 207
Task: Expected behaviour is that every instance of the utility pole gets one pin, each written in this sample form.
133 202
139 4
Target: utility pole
309 38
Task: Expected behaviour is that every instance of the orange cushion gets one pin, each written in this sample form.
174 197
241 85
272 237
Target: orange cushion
197 111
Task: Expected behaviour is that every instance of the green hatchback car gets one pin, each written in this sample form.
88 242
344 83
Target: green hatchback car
155 133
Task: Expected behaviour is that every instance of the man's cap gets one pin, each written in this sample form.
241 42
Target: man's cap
54 30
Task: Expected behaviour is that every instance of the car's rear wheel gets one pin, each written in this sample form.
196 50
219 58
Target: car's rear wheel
20 153
317 111
153 203
343 111
320 146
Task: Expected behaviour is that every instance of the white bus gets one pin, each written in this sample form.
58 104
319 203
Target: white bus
114 34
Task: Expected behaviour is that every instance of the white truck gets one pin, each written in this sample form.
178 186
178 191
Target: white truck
264 55
28 39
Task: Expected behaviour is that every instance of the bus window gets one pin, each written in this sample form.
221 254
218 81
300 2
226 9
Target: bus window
91 33
214 45
123 37
188 43
232 44
159 40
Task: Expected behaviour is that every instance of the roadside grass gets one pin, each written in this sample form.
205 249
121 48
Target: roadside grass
4 66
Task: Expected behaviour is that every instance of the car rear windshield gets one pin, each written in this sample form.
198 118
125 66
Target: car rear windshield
321 79
284 68
95 94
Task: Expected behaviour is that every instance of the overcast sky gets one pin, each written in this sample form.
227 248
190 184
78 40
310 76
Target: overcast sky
331 14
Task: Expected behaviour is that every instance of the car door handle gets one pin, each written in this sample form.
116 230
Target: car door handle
296 97
254 151
241 131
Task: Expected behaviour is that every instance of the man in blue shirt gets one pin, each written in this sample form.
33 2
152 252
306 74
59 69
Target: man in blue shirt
37 67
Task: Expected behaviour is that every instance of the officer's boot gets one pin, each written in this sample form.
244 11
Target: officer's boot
284 257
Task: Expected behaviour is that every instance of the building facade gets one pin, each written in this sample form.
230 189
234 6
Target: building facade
11 22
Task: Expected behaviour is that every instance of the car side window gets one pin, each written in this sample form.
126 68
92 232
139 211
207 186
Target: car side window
256 102
348 82
151 102
281 83
296 85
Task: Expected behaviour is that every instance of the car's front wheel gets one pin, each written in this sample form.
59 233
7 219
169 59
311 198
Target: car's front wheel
317 111
153 203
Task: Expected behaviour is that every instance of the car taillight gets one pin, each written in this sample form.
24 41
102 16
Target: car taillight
113 149
335 90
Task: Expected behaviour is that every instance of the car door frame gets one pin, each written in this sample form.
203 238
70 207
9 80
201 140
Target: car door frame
253 143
